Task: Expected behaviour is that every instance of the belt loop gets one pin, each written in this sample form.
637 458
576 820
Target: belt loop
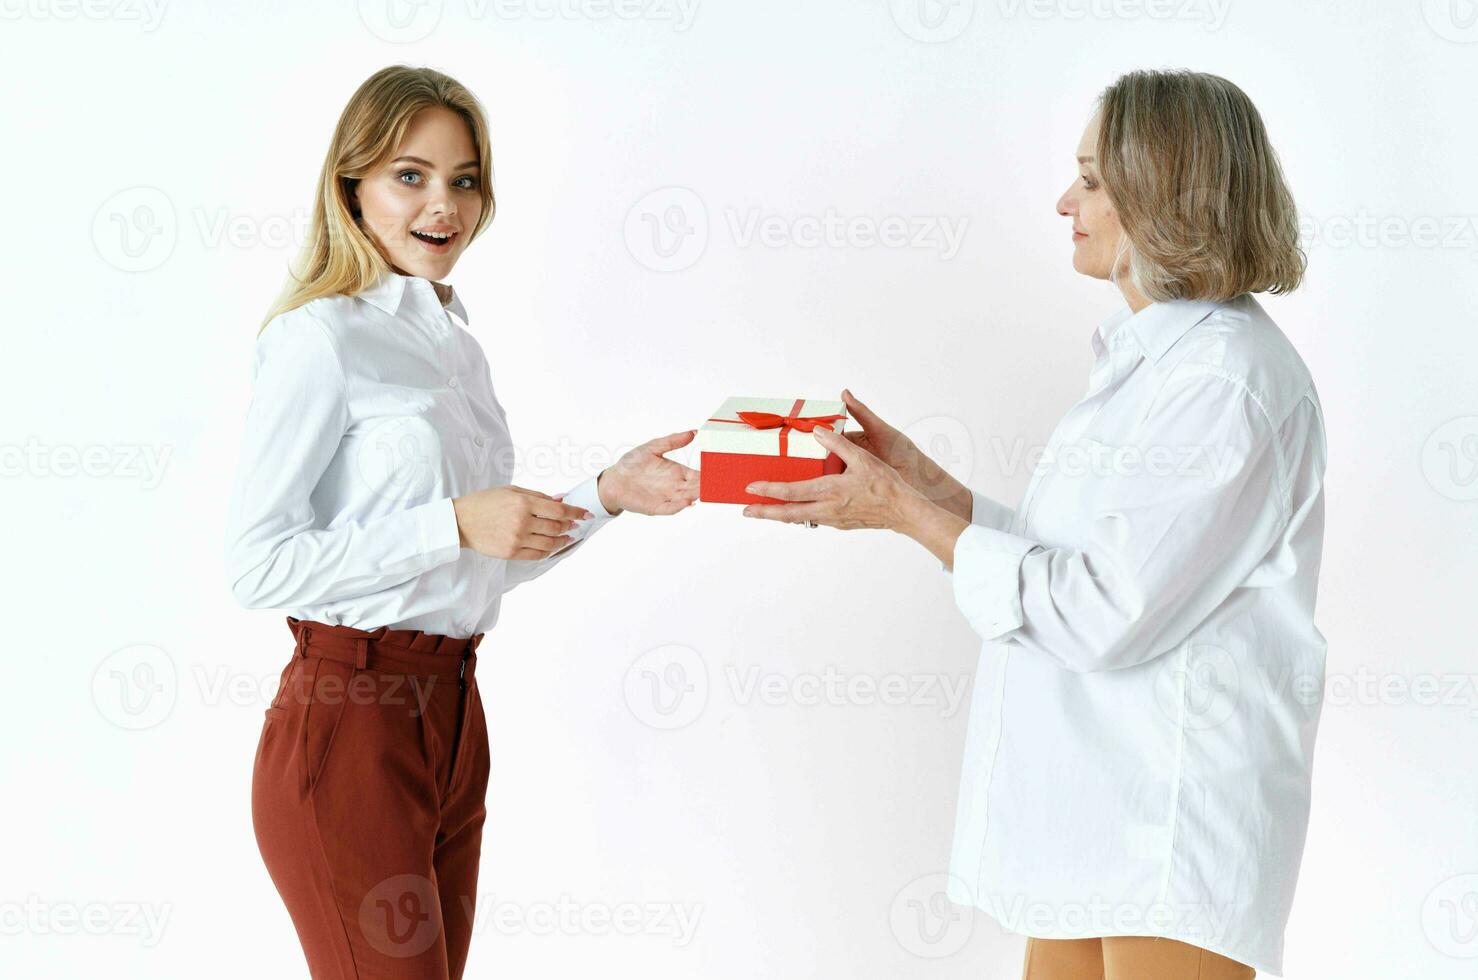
302 650
362 660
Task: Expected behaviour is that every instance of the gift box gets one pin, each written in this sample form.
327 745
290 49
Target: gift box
751 439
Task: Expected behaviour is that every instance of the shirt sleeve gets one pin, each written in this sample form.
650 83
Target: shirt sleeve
990 513
1180 516
279 554
586 495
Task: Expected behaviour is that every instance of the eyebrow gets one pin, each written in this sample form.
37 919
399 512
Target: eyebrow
428 163
1085 159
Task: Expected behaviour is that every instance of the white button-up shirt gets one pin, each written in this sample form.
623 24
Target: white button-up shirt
1141 733
368 415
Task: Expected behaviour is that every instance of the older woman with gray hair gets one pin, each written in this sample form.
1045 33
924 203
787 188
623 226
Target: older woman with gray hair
1136 779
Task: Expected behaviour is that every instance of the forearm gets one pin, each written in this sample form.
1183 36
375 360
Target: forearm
931 480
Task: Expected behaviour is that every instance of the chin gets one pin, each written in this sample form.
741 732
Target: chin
430 269
1086 266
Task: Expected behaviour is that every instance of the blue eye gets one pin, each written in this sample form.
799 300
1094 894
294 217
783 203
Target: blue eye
470 185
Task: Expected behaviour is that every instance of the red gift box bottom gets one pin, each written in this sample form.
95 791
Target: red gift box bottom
723 476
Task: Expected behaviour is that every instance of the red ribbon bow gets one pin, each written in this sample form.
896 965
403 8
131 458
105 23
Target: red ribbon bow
785 423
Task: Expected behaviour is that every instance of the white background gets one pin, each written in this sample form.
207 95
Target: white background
159 166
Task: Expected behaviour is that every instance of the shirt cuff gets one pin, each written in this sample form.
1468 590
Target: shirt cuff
990 513
587 495
436 531
987 579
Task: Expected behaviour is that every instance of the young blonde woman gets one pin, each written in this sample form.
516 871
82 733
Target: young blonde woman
374 503
1136 780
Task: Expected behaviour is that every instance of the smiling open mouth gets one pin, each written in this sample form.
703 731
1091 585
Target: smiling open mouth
437 242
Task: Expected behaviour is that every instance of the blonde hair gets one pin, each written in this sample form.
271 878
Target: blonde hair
338 256
1197 187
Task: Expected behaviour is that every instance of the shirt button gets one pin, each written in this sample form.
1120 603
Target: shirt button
451 382
477 440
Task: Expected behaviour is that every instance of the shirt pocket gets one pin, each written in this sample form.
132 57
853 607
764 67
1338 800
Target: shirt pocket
397 459
1074 480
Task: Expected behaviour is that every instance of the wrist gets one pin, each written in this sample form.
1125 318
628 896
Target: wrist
609 498
457 516
931 525
910 510
935 483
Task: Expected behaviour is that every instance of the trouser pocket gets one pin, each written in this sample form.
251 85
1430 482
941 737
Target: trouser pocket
330 688
284 681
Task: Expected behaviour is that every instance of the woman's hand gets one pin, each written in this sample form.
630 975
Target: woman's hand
871 493
899 451
645 481
881 439
515 523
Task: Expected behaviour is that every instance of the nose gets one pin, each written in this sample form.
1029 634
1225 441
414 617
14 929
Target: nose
1067 204
442 204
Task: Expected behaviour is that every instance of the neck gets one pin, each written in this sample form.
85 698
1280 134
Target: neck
1132 296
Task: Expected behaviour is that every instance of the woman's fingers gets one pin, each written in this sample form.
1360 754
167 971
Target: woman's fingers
789 513
861 412
555 510
850 452
666 444
543 545
544 526
793 490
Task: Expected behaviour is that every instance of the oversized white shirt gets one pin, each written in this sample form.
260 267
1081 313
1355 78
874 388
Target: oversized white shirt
368 414
1141 733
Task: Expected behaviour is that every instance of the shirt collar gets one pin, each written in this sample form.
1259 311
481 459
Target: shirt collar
391 288
1156 328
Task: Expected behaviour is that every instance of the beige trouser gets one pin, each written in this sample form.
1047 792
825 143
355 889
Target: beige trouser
1127 958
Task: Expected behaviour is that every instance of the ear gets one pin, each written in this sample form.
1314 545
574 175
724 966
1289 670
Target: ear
352 186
